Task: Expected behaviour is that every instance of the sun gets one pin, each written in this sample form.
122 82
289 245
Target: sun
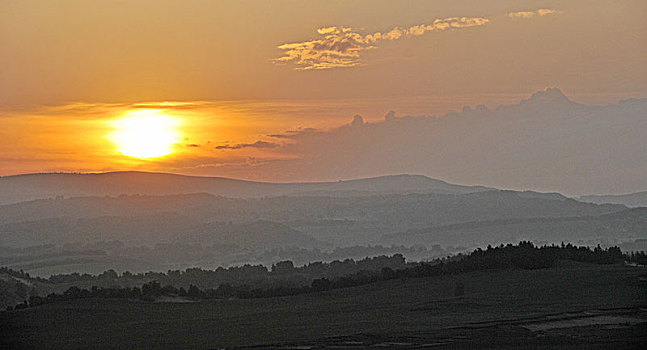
145 133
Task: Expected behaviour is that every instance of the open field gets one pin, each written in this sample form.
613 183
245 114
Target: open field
534 308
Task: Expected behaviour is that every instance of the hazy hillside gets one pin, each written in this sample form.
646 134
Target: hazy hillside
337 220
152 229
394 208
638 199
40 186
83 207
624 225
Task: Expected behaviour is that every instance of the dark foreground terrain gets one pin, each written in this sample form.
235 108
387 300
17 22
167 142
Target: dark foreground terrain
573 305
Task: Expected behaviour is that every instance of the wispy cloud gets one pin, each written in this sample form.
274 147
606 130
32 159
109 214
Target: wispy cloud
257 144
342 46
531 14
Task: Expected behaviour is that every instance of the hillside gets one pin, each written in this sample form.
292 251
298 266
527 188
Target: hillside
153 229
337 220
624 225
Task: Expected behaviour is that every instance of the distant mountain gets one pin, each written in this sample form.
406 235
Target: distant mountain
20 188
638 199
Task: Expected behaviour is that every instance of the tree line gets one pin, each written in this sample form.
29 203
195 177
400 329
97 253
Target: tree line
524 255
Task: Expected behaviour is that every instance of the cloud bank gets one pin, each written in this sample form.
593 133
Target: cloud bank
342 46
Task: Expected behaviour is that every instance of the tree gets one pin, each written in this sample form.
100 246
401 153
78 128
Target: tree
320 284
151 289
21 290
194 292
283 267
109 275
388 273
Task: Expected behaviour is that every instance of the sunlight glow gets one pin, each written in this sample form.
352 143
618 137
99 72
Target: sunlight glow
145 134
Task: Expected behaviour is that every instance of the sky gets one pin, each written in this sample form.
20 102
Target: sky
218 78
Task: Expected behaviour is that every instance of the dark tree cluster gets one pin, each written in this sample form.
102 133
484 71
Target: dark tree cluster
639 258
303 256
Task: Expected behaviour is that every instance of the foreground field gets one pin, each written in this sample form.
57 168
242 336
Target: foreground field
571 305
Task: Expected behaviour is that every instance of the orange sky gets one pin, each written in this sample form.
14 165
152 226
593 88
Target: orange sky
77 137
160 50
236 72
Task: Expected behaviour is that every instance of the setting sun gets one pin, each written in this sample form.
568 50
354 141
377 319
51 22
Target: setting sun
145 134
470 174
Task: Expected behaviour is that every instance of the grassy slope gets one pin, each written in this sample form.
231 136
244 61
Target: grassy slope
393 307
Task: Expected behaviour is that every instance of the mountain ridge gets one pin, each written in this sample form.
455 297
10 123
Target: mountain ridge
19 188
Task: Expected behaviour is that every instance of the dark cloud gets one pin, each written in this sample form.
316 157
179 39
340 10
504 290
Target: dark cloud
292 133
257 144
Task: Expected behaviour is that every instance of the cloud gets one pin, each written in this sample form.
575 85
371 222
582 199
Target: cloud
358 120
531 14
257 144
545 141
292 133
342 46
